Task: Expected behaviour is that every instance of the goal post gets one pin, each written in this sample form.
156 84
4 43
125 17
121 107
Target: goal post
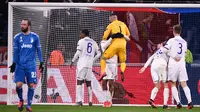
59 24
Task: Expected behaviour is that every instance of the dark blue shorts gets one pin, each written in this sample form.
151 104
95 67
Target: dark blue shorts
25 75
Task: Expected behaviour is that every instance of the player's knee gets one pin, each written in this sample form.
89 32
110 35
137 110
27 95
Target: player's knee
80 82
19 84
165 85
31 85
88 83
183 84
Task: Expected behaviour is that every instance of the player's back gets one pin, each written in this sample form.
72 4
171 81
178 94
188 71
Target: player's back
119 27
27 46
160 57
178 49
88 48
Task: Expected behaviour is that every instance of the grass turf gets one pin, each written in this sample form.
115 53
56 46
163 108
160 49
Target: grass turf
64 108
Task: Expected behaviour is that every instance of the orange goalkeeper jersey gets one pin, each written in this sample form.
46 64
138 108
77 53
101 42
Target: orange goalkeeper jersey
117 27
56 58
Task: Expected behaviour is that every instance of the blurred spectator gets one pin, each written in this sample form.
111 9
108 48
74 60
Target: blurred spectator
144 31
56 57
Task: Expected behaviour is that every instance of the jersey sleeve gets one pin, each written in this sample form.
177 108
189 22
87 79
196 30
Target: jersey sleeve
97 51
16 50
168 44
149 61
79 46
38 46
107 32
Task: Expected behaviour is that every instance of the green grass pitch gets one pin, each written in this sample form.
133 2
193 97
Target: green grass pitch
64 108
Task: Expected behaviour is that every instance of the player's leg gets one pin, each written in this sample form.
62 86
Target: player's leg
31 81
111 88
105 91
122 58
173 77
182 79
88 84
19 79
154 91
109 53
80 80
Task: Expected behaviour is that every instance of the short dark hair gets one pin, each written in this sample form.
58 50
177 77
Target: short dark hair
85 31
177 29
28 20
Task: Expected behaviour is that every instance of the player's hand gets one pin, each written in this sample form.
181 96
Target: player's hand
12 68
142 70
71 65
41 68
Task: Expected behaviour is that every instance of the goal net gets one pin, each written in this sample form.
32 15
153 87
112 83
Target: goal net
58 26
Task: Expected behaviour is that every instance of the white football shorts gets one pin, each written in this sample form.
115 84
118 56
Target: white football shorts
84 74
111 72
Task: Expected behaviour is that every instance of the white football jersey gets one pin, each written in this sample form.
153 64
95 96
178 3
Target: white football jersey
160 57
177 48
112 60
88 48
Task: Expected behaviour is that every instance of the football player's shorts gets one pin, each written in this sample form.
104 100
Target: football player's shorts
177 73
25 75
111 72
158 71
84 74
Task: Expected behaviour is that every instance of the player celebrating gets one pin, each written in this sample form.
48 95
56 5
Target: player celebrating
177 70
26 44
111 74
118 30
158 73
86 50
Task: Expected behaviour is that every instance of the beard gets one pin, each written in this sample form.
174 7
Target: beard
24 30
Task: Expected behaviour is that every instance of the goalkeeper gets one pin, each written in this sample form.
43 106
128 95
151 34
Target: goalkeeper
26 44
119 33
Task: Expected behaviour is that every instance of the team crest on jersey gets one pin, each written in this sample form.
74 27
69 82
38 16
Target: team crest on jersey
21 39
31 40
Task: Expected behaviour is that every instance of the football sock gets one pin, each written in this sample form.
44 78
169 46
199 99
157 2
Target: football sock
30 96
19 93
175 94
154 93
123 67
90 93
187 93
103 65
79 93
166 95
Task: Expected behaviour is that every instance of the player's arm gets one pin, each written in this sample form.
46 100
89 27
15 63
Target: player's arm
15 55
107 32
147 64
16 51
39 52
98 53
105 44
78 52
127 35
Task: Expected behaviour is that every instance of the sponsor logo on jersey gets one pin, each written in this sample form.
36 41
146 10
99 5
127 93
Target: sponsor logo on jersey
26 46
21 39
31 40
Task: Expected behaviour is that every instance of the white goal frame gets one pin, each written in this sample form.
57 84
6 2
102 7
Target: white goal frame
71 5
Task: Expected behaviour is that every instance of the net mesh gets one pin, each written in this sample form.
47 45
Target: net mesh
59 30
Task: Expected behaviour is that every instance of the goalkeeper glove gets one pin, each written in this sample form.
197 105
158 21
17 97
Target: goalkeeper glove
12 68
41 68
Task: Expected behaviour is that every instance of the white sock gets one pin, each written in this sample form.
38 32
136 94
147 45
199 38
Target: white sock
79 93
187 93
90 94
154 93
175 94
111 96
166 95
107 95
